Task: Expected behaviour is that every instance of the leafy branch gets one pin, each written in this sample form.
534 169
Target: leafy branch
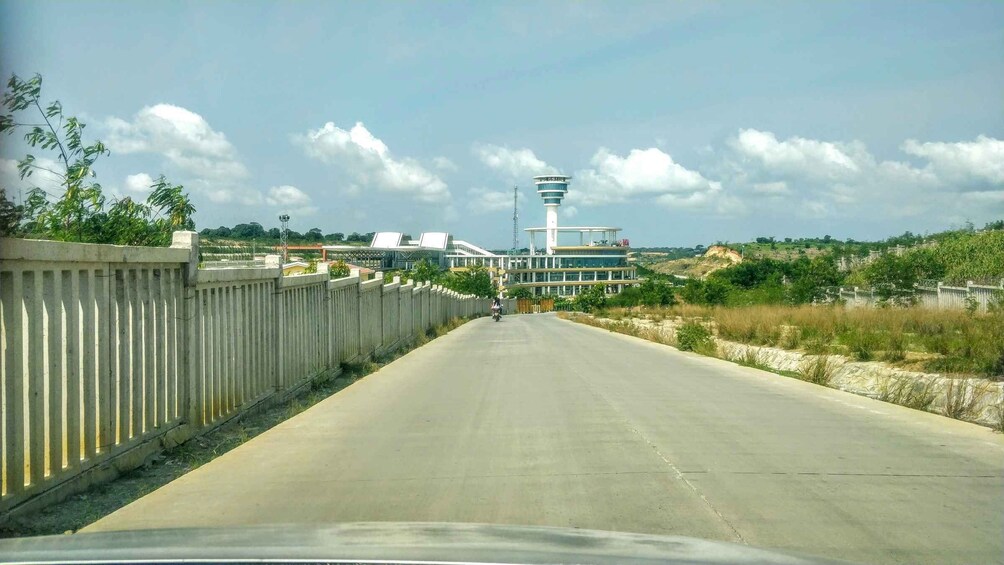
78 212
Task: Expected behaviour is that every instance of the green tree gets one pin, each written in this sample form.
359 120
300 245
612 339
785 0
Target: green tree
520 292
711 292
10 216
77 212
475 280
592 299
425 271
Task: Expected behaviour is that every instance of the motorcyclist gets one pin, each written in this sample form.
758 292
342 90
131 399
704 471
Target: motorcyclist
496 306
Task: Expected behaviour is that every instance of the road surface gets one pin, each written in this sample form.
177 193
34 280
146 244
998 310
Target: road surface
540 421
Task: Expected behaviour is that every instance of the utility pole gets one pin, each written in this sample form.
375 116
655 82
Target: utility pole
515 220
284 236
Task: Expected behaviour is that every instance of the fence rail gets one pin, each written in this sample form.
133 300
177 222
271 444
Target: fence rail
108 347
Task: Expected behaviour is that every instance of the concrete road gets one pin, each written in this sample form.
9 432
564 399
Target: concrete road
540 421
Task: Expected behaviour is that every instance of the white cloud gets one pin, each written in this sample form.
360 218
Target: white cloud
483 200
516 163
642 173
369 162
778 188
800 156
291 199
139 182
569 211
970 163
444 164
844 179
205 158
44 176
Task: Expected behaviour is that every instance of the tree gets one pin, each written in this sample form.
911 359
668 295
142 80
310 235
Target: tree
592 299
335 236
251 230
656 293
475 280
424 270
77 212
10 216
519 293
274 233
711 292
314 234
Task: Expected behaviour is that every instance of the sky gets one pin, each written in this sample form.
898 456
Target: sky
682 123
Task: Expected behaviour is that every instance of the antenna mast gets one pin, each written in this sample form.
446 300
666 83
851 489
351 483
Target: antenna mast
515 221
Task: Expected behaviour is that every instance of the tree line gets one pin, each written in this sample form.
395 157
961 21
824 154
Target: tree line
255 231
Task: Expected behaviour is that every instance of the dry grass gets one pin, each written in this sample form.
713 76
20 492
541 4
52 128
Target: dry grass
817 370
963 398
944 341
912 393
751 357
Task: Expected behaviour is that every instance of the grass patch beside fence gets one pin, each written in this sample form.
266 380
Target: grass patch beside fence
942 341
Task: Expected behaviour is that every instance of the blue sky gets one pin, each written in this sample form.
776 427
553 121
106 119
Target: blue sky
681 122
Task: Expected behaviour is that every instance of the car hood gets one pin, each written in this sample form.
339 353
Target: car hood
386 542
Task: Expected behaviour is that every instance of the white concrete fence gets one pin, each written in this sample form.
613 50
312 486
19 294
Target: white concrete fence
111 353
934 295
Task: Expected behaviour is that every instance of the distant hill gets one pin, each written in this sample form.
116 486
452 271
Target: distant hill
697 267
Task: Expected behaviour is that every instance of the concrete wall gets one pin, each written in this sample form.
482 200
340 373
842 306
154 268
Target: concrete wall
110 351
939 296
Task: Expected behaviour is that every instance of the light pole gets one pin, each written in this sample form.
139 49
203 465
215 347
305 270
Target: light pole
284 236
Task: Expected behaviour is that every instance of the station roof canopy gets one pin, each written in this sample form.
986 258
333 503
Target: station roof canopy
585 229
434 240
387 239
394 241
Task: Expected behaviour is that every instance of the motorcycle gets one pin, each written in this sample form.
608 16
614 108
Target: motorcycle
496 313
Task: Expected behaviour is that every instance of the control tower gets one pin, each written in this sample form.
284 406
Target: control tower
552 189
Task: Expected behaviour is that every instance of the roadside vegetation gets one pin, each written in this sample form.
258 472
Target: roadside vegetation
67 203
941 341
475 280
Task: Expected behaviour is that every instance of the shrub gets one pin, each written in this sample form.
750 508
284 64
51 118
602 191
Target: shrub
693 336
592 299
751 357
862 344
962 399
895 346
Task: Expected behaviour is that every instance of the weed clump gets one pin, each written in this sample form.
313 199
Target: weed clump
963 399
817 370
693 336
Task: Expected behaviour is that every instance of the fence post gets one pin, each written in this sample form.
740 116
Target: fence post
191 355
278 323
